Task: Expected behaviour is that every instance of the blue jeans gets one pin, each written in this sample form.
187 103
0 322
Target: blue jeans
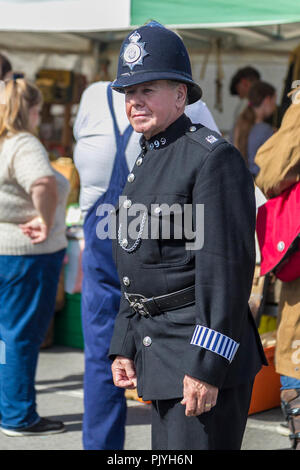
289 382
28 286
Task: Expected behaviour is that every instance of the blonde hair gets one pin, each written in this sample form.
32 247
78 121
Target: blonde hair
242 130
18 97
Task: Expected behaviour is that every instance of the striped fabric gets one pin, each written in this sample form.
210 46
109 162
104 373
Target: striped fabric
214 341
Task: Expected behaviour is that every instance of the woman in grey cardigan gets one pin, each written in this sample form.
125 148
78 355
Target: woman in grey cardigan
32 247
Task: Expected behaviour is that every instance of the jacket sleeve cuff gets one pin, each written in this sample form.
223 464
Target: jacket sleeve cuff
122 343
206 366
215 342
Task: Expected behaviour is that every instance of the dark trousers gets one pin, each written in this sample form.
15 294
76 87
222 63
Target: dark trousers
222 428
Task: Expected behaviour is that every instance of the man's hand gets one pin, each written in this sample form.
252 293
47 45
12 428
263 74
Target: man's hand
198 397
123 371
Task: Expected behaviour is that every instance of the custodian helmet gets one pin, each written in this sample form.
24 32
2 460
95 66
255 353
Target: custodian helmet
153 52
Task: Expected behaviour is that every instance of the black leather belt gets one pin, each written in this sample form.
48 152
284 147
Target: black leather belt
156 305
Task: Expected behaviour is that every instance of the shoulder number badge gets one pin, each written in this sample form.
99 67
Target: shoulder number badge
134 52
211 139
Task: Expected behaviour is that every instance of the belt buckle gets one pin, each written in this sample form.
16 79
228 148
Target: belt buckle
137 304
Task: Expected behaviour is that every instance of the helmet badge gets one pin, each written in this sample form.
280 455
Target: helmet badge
134 51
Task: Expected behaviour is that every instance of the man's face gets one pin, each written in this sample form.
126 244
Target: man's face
243 87
151 107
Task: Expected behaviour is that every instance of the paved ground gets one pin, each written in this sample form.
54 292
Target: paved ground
59 385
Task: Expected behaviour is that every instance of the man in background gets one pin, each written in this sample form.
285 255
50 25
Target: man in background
240 85
5 68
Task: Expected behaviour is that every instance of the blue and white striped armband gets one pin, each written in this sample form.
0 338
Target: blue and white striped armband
216 342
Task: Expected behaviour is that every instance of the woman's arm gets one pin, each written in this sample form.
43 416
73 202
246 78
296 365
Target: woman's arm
44 198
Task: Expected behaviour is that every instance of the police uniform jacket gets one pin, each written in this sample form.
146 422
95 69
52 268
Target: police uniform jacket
215 338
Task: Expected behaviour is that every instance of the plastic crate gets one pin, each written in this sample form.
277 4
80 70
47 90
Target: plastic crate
266 388
67 325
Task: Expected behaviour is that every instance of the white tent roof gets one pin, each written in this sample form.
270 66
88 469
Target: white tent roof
64 15
34 23
75 34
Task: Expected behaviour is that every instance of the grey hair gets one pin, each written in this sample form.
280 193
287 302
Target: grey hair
174 84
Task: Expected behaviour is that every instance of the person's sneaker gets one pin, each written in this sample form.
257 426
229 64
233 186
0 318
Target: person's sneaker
43 427
283 429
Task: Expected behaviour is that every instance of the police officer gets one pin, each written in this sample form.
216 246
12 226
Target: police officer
105 151
184 333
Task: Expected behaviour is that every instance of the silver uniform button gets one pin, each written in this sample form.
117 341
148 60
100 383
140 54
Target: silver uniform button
157 210
127 204
147 341
280 246
139 161
130 178
126 281
193 128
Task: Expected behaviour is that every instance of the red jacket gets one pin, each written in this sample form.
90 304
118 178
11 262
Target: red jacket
278 234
